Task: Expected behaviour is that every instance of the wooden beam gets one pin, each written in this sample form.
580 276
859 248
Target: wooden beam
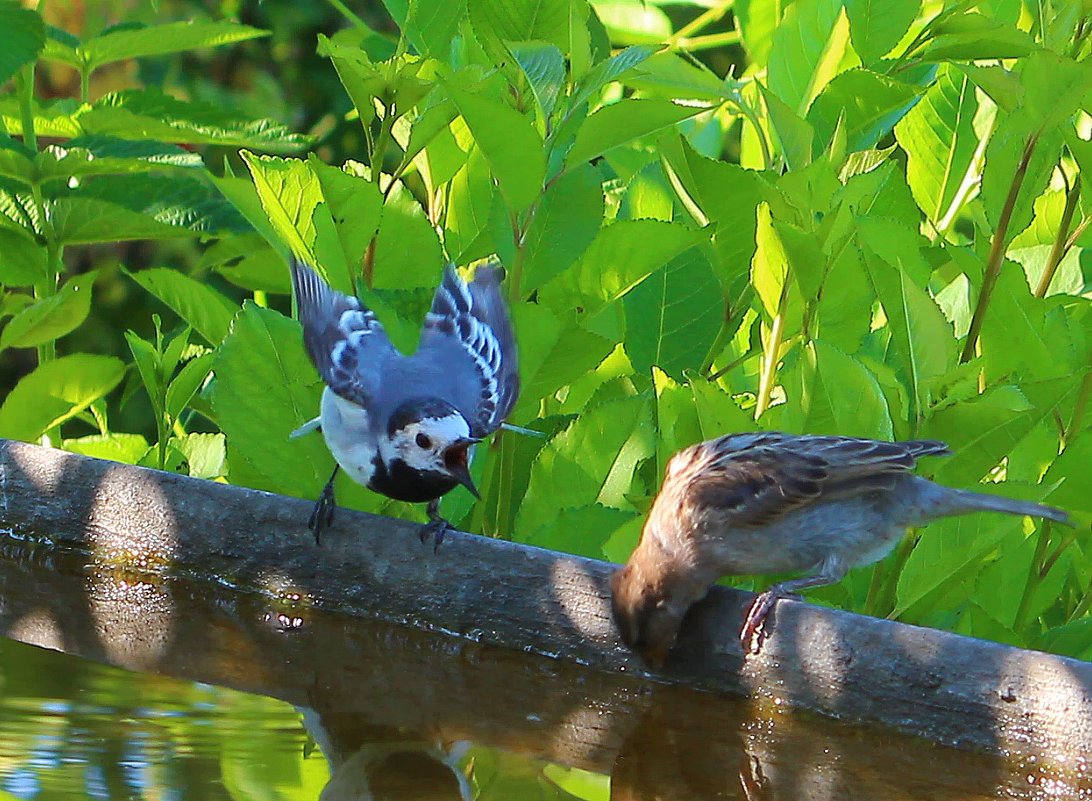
945 687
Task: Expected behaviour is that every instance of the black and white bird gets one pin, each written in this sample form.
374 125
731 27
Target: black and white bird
406 426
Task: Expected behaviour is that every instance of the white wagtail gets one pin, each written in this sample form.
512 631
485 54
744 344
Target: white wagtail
768 502
405 426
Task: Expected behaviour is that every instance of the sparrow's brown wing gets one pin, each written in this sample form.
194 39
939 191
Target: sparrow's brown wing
755 479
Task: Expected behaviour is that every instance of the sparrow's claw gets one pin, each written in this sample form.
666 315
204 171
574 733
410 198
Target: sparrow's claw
753 632
323 515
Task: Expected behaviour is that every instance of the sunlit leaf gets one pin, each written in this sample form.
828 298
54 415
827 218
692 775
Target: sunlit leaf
56 391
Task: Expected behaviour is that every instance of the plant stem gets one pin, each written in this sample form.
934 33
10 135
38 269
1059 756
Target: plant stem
1035 575
700 22
710 41
1058 250
772 351
997 252
346 12
85 84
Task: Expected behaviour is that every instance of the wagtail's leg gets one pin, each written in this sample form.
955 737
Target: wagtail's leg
323 515
436 526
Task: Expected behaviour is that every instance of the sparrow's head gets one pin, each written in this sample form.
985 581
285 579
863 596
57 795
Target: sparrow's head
646 607
432 440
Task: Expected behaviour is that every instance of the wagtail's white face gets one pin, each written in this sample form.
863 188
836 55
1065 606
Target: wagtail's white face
432 445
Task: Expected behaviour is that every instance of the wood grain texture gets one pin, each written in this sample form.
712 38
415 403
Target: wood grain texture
942 686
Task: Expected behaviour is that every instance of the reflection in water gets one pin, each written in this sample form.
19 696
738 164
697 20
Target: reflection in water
339 708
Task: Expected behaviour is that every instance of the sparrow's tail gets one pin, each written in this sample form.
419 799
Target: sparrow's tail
967 501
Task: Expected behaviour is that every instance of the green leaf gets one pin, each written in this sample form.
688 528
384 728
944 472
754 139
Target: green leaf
621 256
983 430
871 105
56 391
757 21
949 551
939 139
554 351
564 226
407 250
289 192
205 453
1055 87
829 392
150 114
622 122
972 37
1004 153
182 200
582 531
16 160
875 27
87 220
922 339
718 412
149 365
355 205
52 317
158 40
185 385
24 260
612 69
199 305
795 136
669 74
104 155
544 67
24 38
431 26
574 468
509 143
471 192
721 193
522 20
126 448
673 316
807 48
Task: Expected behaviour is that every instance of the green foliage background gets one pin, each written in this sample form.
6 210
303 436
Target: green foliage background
816 216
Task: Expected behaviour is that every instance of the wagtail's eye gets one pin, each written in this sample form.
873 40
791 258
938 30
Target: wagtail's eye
423 441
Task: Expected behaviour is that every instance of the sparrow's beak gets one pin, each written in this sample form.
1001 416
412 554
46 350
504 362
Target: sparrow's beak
456 461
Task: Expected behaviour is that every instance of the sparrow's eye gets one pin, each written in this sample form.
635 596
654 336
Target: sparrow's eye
423 441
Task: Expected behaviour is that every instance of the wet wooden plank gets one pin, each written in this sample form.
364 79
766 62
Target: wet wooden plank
362 684
941 686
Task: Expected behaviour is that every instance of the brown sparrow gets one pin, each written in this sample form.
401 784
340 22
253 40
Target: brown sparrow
768 502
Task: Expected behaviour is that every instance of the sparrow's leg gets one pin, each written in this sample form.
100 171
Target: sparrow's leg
436 526
753 634
323 515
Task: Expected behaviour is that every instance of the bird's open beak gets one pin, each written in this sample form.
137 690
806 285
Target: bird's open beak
457 461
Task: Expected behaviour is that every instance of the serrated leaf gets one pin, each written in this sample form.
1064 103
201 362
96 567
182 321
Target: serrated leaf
57 391
471 193
830 392
104 155
673 316
117 447
87 220
544 67
52 317
870 104
983 430
939 139
633 23
876 27
972 37
355 205
158 40
622 122
621 256
205 453
1004 153
185 385
612 69
148 113
807 48
24 38
509 143
407 250
573 468
431 26
289 192
199 305
564 226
